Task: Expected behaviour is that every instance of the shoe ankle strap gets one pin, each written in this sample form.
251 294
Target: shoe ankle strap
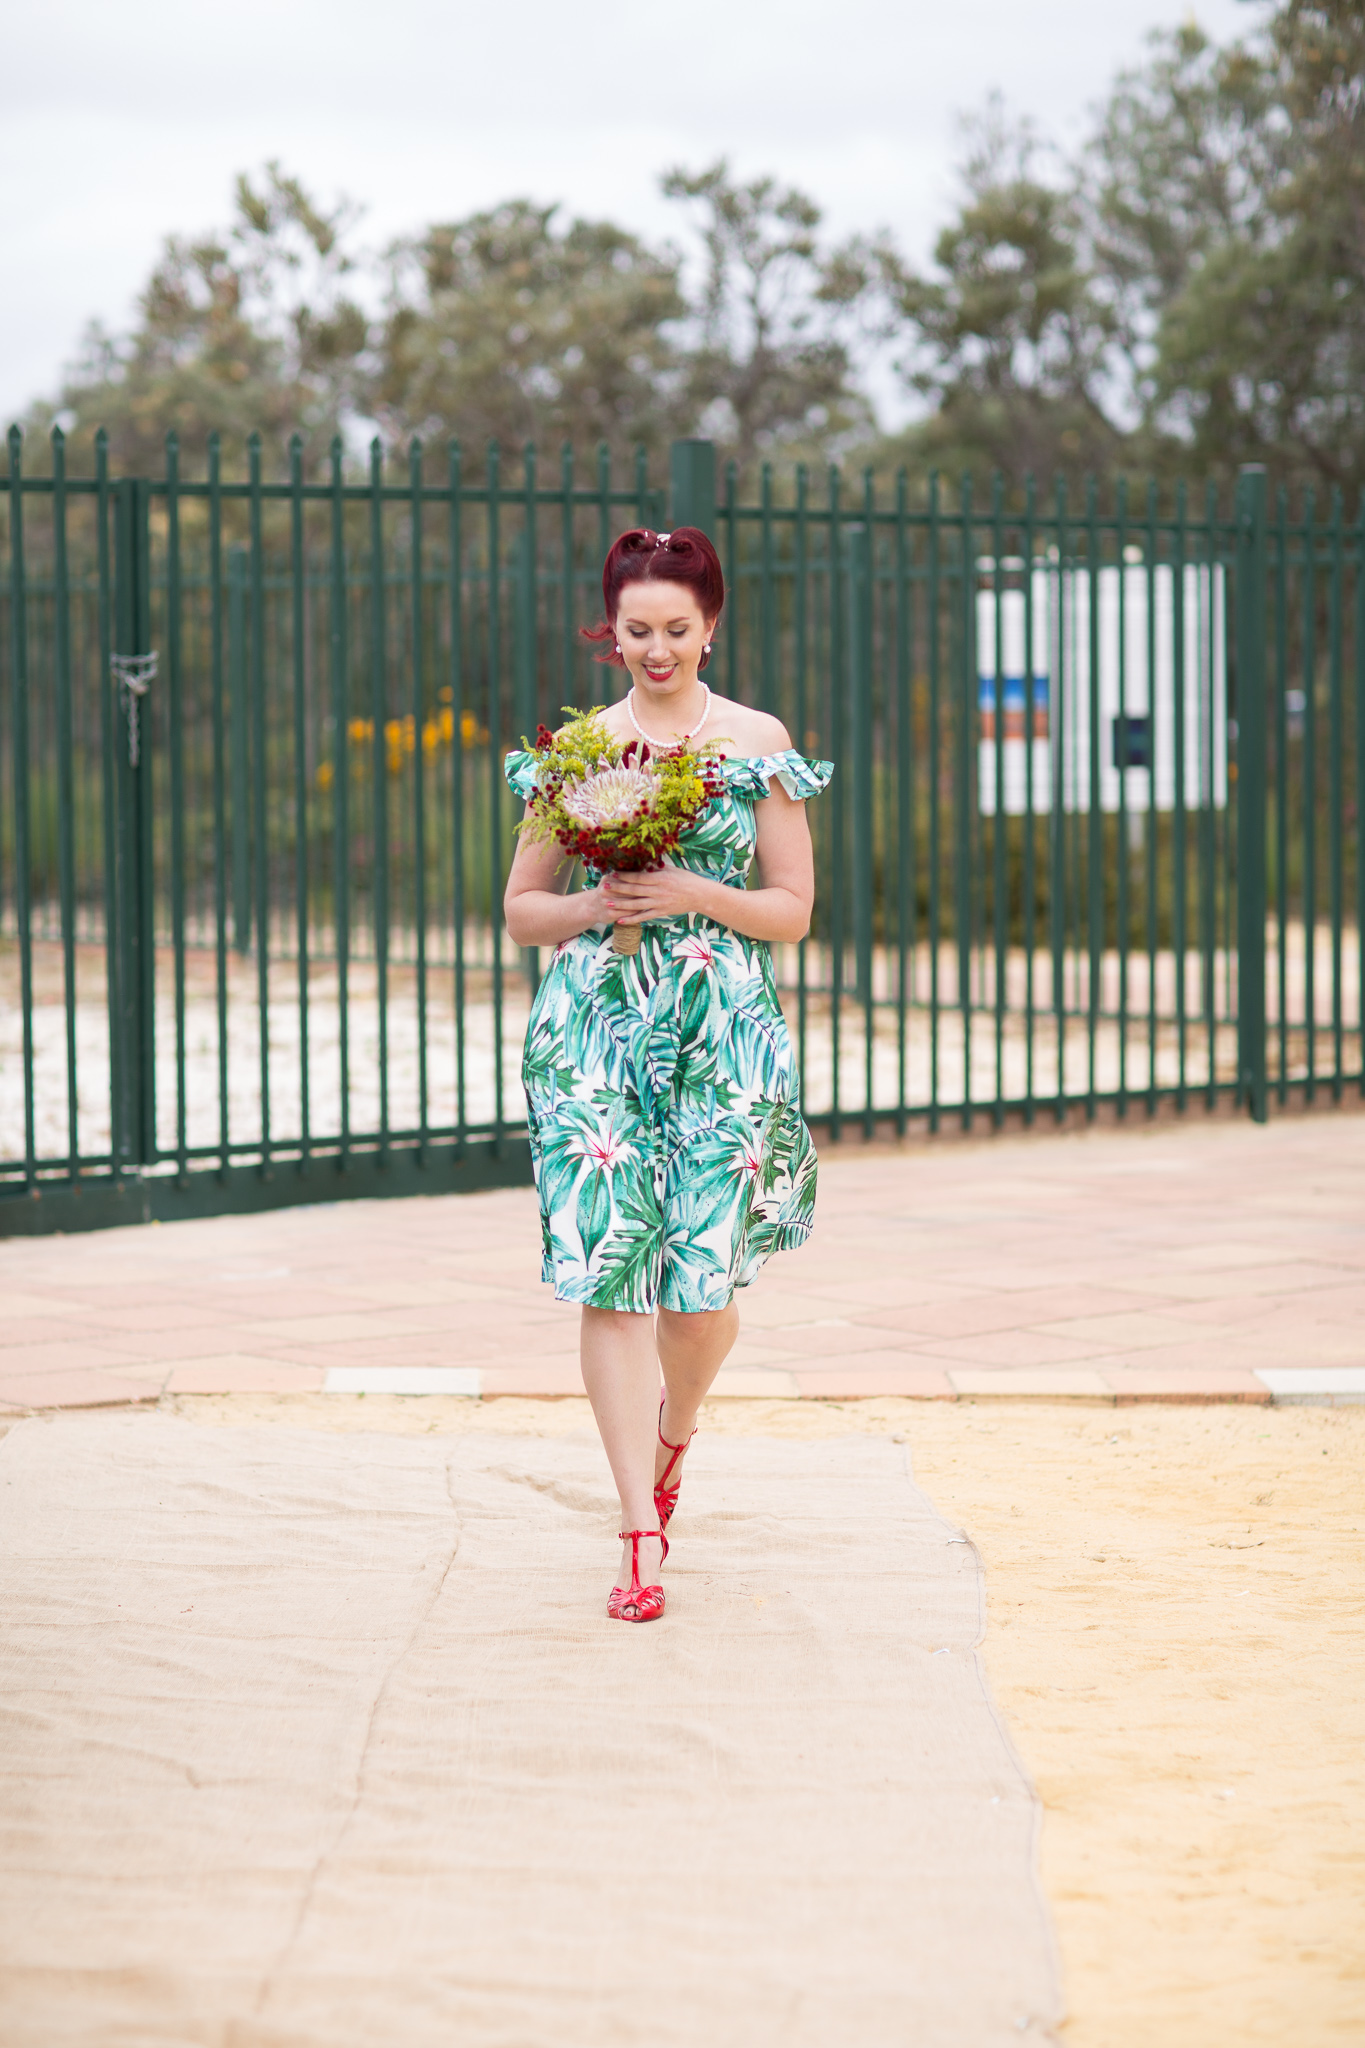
637 1535
664 1440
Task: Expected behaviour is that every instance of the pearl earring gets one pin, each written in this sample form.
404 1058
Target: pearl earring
706 647
618 647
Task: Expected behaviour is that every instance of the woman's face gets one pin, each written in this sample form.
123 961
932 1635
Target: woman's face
661 633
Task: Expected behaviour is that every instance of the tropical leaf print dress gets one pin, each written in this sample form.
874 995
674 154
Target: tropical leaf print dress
662 1093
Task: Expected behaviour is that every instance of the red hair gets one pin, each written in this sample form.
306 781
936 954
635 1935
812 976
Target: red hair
684 556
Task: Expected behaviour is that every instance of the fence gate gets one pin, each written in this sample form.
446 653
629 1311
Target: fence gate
1093 838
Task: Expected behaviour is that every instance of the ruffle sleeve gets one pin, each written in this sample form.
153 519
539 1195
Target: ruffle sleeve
799 777
520 770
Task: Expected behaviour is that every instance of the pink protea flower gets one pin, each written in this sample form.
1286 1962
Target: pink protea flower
611 796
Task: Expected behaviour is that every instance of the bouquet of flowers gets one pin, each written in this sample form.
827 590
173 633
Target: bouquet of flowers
618 809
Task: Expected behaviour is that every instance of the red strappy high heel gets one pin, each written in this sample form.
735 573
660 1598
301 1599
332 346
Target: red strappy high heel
636 1602
666 1496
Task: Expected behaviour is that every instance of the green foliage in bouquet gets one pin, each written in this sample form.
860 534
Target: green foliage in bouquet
618 809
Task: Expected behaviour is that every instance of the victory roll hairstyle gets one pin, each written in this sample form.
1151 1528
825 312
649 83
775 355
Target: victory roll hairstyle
684 556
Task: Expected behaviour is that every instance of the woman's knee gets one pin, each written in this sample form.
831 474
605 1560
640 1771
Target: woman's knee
701 1326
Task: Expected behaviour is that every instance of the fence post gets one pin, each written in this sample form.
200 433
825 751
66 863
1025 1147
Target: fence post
19 745
692 485
1251 788
524 653
132 992
239 772
860 705
965 698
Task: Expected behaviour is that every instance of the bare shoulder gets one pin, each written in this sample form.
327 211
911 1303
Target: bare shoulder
746 731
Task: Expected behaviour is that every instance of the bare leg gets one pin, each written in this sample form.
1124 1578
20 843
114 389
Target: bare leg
621 1374
692 1350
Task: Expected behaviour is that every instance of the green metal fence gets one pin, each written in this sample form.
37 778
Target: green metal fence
1093 839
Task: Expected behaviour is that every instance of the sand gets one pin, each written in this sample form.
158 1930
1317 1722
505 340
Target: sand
1174 1636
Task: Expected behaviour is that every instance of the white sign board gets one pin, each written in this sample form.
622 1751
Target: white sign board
1136 676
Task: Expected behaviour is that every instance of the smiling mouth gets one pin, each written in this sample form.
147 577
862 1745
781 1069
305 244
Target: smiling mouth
658 674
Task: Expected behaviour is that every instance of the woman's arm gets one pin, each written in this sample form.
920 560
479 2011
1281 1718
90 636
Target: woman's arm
537 911
778 909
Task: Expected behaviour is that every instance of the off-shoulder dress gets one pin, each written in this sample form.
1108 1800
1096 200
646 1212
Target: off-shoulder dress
662 1094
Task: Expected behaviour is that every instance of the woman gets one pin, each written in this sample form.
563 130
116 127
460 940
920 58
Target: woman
669 1152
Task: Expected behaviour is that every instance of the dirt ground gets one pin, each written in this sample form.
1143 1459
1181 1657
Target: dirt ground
1174 1633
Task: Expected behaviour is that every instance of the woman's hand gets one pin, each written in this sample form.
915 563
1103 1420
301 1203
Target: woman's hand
659 892
538 911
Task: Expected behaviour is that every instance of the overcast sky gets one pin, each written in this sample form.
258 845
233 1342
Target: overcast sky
124 123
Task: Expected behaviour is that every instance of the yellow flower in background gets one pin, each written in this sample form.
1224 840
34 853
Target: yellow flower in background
400 737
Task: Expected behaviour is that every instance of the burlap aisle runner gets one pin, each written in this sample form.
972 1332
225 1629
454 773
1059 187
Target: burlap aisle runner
325 1740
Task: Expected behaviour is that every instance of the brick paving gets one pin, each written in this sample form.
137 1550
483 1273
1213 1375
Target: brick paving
1173 1263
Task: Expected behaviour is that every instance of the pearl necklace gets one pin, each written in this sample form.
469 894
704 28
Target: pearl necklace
706 713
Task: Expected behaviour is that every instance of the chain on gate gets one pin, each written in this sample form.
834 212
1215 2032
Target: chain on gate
133 676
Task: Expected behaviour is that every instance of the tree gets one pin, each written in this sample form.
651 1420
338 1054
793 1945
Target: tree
505 326
767 367
1179 168
1007 338
1229 224
1320 48
252 331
